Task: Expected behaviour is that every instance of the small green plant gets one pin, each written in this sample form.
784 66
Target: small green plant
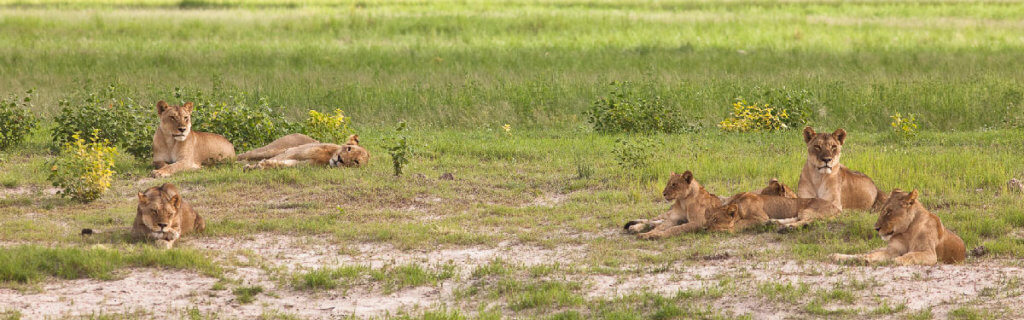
583 169
904 127
748 117
246 295
400 149
127 125
625 110
84 170
330 128
16 120
634 153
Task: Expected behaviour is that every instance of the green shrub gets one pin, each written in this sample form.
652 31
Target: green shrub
634 154
400 149
121 121
904 127
796 104
16 120
83 170
327 127
753 117
246 126
625 110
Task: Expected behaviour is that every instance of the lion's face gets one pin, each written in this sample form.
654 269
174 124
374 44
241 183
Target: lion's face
159 207
351 154
824 149
175 121
897 214
776 188
680 186
723 218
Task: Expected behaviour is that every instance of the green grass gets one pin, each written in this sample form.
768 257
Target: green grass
30 263
246 295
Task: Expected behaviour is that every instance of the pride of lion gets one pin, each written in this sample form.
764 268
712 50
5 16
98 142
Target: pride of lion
826 188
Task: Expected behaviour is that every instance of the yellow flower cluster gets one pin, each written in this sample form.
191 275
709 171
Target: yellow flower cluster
331 128
904 126
84 170
753 117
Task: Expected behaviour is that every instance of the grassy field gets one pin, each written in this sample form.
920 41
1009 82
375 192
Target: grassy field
530 227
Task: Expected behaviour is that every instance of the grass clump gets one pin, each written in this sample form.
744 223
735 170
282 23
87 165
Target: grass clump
627 110
391 278
246 295
16 120
632 154
84 171
29 263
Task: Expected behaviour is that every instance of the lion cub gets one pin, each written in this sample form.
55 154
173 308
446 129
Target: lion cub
914 235
687 213
825 178
774 204
176 147
297 148
162 215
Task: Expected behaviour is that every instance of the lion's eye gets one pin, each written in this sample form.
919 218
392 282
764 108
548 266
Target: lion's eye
817 148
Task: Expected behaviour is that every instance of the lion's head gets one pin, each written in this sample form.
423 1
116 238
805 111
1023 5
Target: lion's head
723 218
824 149
351 154
159 206
776 188
897 214
175 121
680 186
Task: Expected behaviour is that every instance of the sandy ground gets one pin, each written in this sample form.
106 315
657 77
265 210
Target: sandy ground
163 293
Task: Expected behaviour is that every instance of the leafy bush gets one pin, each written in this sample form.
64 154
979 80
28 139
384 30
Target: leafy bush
400 149
904 127
326 127
797 104
246 125
83 170
16 120
634 154
120 120
624 110
753 117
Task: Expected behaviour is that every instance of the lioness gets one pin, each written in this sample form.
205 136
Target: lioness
162 215
825 178
749 209
176 147
297 148
686 214
914 235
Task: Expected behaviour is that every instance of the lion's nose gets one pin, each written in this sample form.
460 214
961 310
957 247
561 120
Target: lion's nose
878 228
162 225
182 129
826 160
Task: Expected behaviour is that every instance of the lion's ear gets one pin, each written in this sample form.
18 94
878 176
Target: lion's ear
142 199
808 134
840 135
161 106
731 210
176 201
187 107
353 139
688 176
911 198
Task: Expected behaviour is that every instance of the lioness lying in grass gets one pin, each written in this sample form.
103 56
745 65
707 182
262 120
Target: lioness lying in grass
162 215
748 210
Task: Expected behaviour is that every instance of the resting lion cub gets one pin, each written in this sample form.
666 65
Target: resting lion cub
162 215
915 235
687 213
749 210
825 178
297 148
176 147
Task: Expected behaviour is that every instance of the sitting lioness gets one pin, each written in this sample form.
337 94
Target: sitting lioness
176 147
297 148
687 213
825 178
162 215
914 235
748 210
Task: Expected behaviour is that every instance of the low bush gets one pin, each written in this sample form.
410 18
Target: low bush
904 127
626 110
747 117
247 126
798 105
84 170
399 149
122 122
16 120
330 128
634 153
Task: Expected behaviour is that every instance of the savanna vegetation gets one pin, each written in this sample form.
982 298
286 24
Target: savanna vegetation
556 121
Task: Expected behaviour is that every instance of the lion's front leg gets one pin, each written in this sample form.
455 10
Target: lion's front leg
641 225
272 163
917 257
170 169
659 233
